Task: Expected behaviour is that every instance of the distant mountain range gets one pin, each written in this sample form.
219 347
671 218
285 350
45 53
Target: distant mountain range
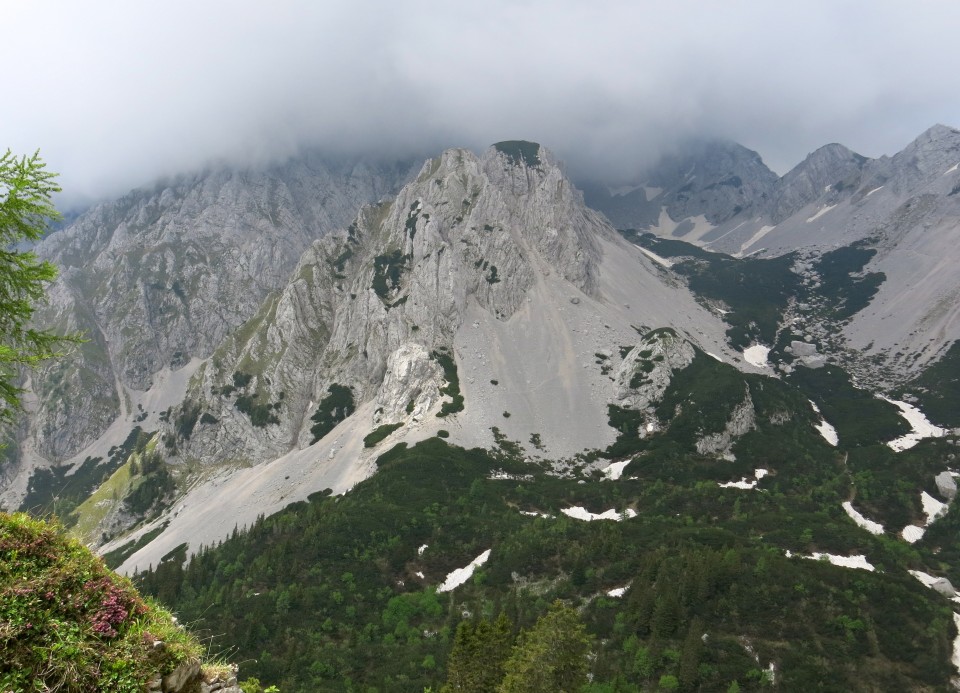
257 337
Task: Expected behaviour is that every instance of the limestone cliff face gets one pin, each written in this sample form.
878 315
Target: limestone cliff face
163 275
367 308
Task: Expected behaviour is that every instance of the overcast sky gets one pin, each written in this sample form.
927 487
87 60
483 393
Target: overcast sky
115 94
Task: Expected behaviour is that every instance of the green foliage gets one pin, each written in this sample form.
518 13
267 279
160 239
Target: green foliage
332 409
114 559
452 388
260 413
187 419
50 490
551 657
26 212
152 484
480 650
937 389
520 152
60 491
756 290
379 433
387 270
627 422
859 417
69 624
848 292
335 590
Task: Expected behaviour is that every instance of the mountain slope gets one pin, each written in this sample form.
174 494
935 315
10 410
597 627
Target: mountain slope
487 271
159 278
902 211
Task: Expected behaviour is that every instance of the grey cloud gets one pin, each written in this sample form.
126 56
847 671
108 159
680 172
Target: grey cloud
116 94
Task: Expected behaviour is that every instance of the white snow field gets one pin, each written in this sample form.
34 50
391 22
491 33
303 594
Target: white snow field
826 430
743 483
757 355
461 575
922 428
580 513
869 525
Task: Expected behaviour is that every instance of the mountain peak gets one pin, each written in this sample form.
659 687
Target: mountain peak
831 167
520 152
938 132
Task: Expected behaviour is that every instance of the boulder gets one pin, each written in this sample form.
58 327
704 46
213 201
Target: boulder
946 485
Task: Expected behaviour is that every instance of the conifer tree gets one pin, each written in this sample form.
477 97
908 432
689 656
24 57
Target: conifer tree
551 657
26 211
480 650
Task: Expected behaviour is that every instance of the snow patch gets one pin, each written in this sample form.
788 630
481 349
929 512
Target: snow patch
618 591
926 578
499 475
531 513
922 428
755 238
580 513
951 169
714 356
419 575
615 470
461 575
820 213
932 508
869 525
756 355
955 660
859 562
912 534
656 258
743 483
873 191
422 549
941 585
825 429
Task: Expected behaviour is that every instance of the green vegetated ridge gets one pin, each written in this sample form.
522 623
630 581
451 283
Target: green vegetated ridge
758 291
335 593
69 624
61 489
135 478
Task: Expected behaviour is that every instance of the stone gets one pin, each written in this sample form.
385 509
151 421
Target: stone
943 586
946 485
179 679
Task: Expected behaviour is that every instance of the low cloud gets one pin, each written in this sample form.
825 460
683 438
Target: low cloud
117 94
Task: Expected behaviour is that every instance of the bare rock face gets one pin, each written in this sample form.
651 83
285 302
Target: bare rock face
365 308
163 275
411 385
647 369
831 169
742 419
903 209
714 179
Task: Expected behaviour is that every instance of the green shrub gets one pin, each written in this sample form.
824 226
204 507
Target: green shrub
334 408
69 624
379 433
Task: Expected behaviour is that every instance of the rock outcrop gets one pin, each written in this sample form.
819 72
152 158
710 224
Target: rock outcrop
366 307
156 280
